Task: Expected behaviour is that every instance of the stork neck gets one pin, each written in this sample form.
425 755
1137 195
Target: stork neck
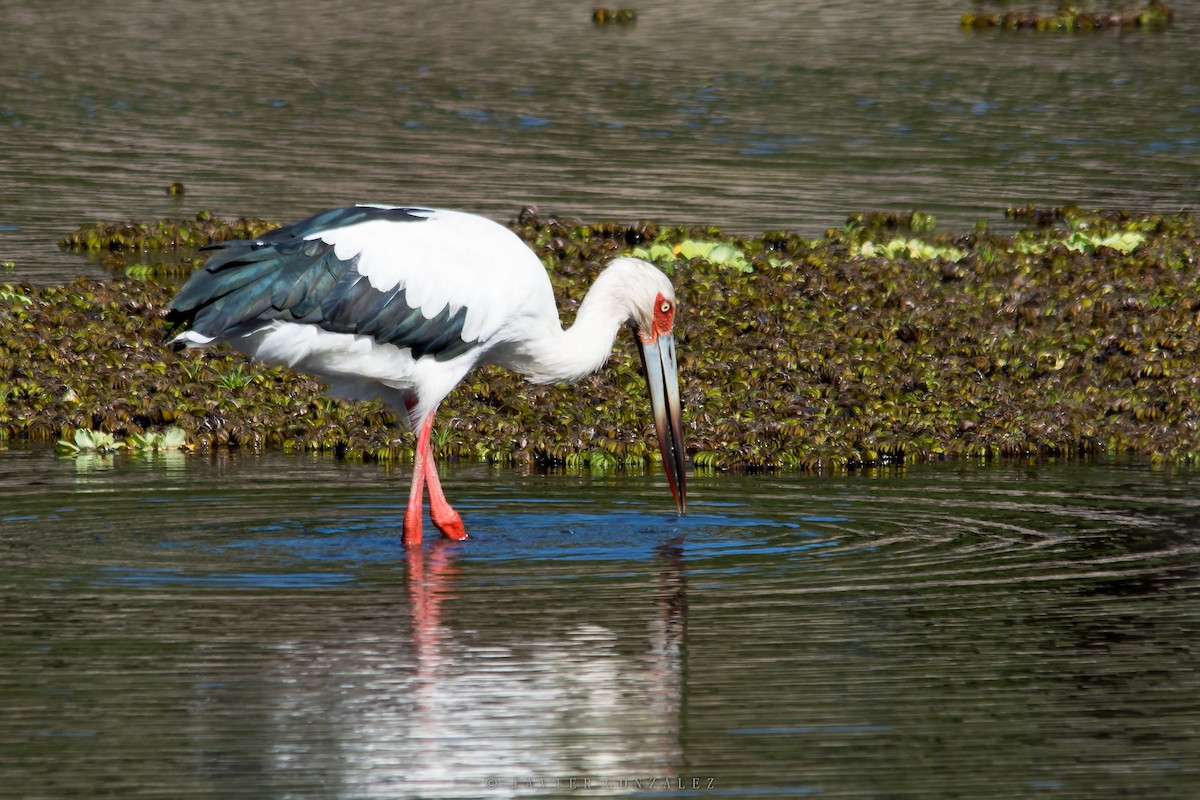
555 355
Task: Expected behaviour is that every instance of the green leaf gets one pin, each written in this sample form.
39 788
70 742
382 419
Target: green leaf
174 438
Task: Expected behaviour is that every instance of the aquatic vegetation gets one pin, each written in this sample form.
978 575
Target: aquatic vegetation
602 15
164 234
909 248
157 271
1070 336
1083 234
156 441
1156 15
1085 242
89 441
668 254
236 377
173 241
10 296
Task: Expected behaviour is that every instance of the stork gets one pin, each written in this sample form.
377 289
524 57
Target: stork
399 303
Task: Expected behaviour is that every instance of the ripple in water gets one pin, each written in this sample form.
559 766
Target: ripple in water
251 624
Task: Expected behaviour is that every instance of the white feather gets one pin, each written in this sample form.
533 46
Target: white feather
448 260
192 339
358 367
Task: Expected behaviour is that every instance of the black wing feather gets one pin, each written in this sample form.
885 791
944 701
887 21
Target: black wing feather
285 275
395 325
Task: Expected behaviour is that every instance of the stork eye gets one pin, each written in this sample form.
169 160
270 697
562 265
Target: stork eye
665 307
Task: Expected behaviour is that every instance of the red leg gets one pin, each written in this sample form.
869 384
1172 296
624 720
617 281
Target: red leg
444 517
416 495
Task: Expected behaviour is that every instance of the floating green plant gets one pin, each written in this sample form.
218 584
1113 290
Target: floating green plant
908 248
163 234
1071 335
89 441
175 240
10 296
160 270
159 441
596 460
1086 242
1156 15
666 253
602 15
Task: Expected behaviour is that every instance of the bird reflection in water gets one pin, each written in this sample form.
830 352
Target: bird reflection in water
429 582
534 709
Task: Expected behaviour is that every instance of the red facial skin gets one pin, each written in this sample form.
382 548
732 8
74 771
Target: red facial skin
664 319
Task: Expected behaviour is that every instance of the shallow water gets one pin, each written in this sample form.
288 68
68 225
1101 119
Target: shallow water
762 115
248 626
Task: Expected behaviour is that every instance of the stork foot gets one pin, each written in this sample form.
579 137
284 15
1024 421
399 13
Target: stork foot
450 525
412 531
445 520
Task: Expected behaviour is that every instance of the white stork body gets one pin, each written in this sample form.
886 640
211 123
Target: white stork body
401 303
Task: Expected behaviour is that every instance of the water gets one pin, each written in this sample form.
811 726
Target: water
759 116
248 626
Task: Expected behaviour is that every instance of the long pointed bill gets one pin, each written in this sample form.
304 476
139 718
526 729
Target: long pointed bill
662 376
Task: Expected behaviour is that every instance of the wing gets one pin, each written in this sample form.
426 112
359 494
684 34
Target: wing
437 282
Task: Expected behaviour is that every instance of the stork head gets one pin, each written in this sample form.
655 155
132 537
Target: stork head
649 299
